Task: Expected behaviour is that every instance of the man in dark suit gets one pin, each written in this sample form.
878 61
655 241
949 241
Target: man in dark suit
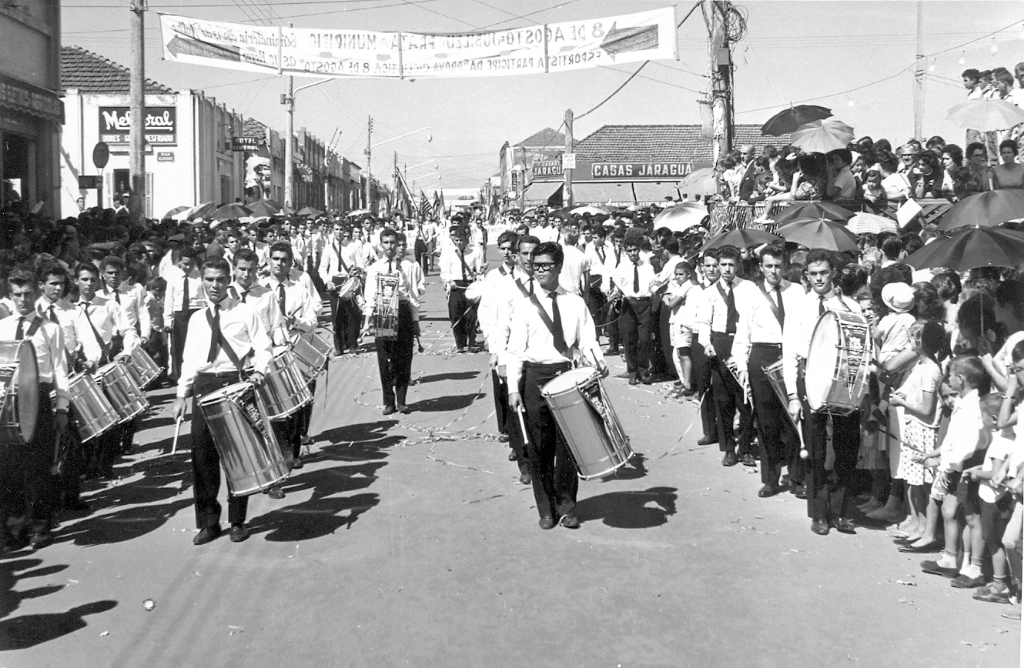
748 182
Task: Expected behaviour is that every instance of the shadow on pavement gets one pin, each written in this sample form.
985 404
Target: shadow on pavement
458 375
31 630
447 403
630 510
11 572
124 524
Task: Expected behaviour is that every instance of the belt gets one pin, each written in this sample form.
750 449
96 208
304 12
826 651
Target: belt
638 299
219 374
553 366
722 334
766 345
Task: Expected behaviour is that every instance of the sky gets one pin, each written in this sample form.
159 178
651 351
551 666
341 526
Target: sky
856 58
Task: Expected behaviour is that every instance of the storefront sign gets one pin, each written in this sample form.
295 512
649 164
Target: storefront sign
161 125
245 143
544 168
569 161
536 49
165 156
88 182
625 171
27 99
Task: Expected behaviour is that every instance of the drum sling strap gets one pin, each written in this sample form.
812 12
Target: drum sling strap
219 338
771 303
107 350
560 344
7 373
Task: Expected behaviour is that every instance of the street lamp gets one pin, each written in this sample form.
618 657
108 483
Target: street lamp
289 101
369 151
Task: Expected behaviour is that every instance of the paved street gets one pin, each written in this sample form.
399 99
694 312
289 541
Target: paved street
409 542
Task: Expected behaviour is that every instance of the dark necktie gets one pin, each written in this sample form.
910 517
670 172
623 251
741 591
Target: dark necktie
782 305
732 316
184 294
281 302
214 335
821 305
556 319
462 261
117 297
390 268
636 278
531 285
52 315
20 334
245 293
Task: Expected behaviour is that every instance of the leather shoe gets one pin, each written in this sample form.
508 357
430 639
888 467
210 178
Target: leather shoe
647 378
403 409
389 410
963 582
634 379
748 460
297 463
525 479
917 548
570 522
238 533
845 525
306 440
820 527
707 440
275 492
502 438
41 539
799 491
207 534
547 523
933 568
730 458
768 491
512 456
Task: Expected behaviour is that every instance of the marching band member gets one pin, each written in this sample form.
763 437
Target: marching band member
458 270
701 363
537 353
340 261
183 298
103 336
758 344
394 357
495 286
222 338
575 275
717 322
827 500
596 253
25 469
613 259
633 278
414 275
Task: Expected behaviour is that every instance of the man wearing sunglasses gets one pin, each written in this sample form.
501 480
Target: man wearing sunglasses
538 352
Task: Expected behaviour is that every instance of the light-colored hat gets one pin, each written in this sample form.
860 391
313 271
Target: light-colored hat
898 297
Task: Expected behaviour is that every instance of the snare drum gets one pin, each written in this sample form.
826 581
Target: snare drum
19 378
312 351
773 372
837 370
124 393
244 438
588 422
284 390
348 289
142 367
90 408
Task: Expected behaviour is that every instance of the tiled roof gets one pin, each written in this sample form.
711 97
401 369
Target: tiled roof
92 73
253 128
662 143
546 138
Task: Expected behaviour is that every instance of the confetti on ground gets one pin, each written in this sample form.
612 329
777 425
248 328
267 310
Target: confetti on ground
149 604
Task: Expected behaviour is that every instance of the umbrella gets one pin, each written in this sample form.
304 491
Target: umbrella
309 211
822 136
819 234
263 209
175 211
742 238
987 209
358 212
230 212
972 248
681 216
197 211
985 115
871 223
700 182
580 210
789 120
813 210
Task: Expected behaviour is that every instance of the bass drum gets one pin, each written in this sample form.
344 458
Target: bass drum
838 363
588 423
20 385
244 438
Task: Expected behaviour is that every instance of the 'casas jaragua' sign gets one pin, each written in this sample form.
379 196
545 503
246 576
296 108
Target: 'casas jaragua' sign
639 170
161 125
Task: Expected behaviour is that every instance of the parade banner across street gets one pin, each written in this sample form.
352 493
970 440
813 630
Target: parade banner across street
554 47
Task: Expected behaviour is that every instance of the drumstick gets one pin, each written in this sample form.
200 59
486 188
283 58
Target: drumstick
177 430
419 345
522 425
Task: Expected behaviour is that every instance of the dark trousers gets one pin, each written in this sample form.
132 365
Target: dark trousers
778 440
422 255
597 303
67 485
303 418
345 317
394 357
206 459
550 463
664 339
827 490
702 384
502 413
635 333
26 486
728 396
179 328
462 316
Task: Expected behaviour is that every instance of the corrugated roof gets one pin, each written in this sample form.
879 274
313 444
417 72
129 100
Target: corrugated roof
92 73
662 143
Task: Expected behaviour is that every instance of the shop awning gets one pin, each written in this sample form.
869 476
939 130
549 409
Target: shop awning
539 192
602 193
649 193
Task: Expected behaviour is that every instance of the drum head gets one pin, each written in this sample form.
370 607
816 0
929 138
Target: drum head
226 392
24 384
822 360
568 380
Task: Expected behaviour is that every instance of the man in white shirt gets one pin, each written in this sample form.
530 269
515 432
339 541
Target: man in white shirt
696 304
223 339
459 268
339 262
25 478
827 500
184 297
537 354
575 274
495 286
614 257
633 278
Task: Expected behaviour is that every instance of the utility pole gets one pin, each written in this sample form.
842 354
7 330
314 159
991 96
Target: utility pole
288 100
369 175
721 79
567 198
397 199
919 75
137 104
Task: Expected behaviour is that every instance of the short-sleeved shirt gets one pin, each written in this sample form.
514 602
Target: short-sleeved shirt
1000 448
895 331
926 376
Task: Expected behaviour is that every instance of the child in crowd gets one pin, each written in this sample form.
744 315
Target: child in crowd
680 333
156 288
873 190
1011 475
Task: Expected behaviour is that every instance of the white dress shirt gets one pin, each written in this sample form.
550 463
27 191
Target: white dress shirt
51 358
240 328
624 274
297 302
531 341
174 298
107 319
487 311
451 267
64 312
613 259
417 282
339 259
597 256
264 301
385 267
965 434
512 288
758 323
714 313
574 267
800 321
132 299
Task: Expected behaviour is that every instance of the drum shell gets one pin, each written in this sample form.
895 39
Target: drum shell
21 407
91 410
284 390
773 372
837 367
312 353
244 438
124 393
142 367
349 288
596 451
